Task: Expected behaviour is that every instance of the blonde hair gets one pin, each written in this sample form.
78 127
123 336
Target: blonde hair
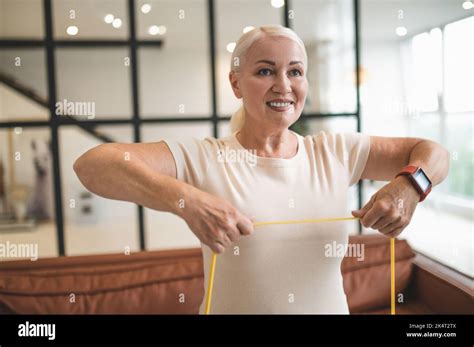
240 51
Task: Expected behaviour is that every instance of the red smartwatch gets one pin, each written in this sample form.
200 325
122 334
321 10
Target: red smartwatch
418 179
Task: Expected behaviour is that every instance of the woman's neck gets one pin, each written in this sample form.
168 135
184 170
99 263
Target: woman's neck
269 143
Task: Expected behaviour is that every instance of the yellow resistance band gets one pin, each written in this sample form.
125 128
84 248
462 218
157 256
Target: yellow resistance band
392 275
260 224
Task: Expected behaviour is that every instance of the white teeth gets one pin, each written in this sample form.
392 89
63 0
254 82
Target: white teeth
280 104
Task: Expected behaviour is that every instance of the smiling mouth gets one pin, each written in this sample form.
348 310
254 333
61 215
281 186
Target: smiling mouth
280 106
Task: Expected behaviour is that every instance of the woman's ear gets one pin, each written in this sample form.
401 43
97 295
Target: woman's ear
235 84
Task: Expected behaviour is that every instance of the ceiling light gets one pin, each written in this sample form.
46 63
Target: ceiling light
401 31
146 8
278 3
157 30
162 29
109 18
154 30
230 47
467 5
117 23
72 30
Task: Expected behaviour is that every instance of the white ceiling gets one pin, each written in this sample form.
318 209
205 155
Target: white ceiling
315 20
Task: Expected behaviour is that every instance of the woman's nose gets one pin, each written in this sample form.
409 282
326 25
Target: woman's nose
282 84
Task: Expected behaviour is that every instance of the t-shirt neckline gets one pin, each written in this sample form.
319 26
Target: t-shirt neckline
267 161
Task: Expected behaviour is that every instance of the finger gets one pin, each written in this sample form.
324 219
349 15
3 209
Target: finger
372 216
224 239
392 226
216 247
233 234
361 213
381 220
385 221
245 226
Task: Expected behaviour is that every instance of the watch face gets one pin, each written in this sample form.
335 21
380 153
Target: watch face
422 180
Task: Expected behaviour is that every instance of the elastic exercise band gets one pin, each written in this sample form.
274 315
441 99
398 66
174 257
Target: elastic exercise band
392 275
260 224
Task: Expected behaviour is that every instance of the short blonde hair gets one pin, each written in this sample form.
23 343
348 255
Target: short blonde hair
240 51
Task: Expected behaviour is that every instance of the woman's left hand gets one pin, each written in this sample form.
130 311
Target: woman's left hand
390 209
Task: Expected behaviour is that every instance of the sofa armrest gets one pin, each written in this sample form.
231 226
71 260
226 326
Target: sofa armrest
440 288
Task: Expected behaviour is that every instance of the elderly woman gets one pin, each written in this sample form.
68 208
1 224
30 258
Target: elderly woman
266 172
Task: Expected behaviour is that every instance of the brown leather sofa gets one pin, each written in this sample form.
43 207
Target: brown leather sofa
171 282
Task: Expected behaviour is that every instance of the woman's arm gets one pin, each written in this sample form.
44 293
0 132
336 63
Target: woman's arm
144 173
388 155
391 208
122 171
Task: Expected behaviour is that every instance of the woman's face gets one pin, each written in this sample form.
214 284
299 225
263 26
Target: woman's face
272 82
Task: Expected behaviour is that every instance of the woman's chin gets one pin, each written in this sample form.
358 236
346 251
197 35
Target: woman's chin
283 114
288 116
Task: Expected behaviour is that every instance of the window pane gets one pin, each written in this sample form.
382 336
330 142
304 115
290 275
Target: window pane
402 80
93 224
174 83
175 78
94 83
427 233
389 96
327 29
21 19
459 69
460 143
25 68
88 17
166 230
232 16
425 125
27 217
224 129
427 70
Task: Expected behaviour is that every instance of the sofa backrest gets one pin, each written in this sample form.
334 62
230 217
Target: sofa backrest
144 282
169 282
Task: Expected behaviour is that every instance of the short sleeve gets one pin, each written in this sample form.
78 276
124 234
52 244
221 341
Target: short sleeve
191 157
352 151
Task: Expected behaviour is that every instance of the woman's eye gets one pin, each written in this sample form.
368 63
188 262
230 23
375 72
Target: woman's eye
265 72
296 72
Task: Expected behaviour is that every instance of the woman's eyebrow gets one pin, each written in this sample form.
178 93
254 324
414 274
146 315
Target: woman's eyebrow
273 63
266 62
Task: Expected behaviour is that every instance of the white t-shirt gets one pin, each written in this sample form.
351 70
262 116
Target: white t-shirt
279 268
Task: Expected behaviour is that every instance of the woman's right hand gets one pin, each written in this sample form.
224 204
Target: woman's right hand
214 221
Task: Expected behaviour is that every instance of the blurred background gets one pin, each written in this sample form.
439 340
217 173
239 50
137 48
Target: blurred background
74 74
